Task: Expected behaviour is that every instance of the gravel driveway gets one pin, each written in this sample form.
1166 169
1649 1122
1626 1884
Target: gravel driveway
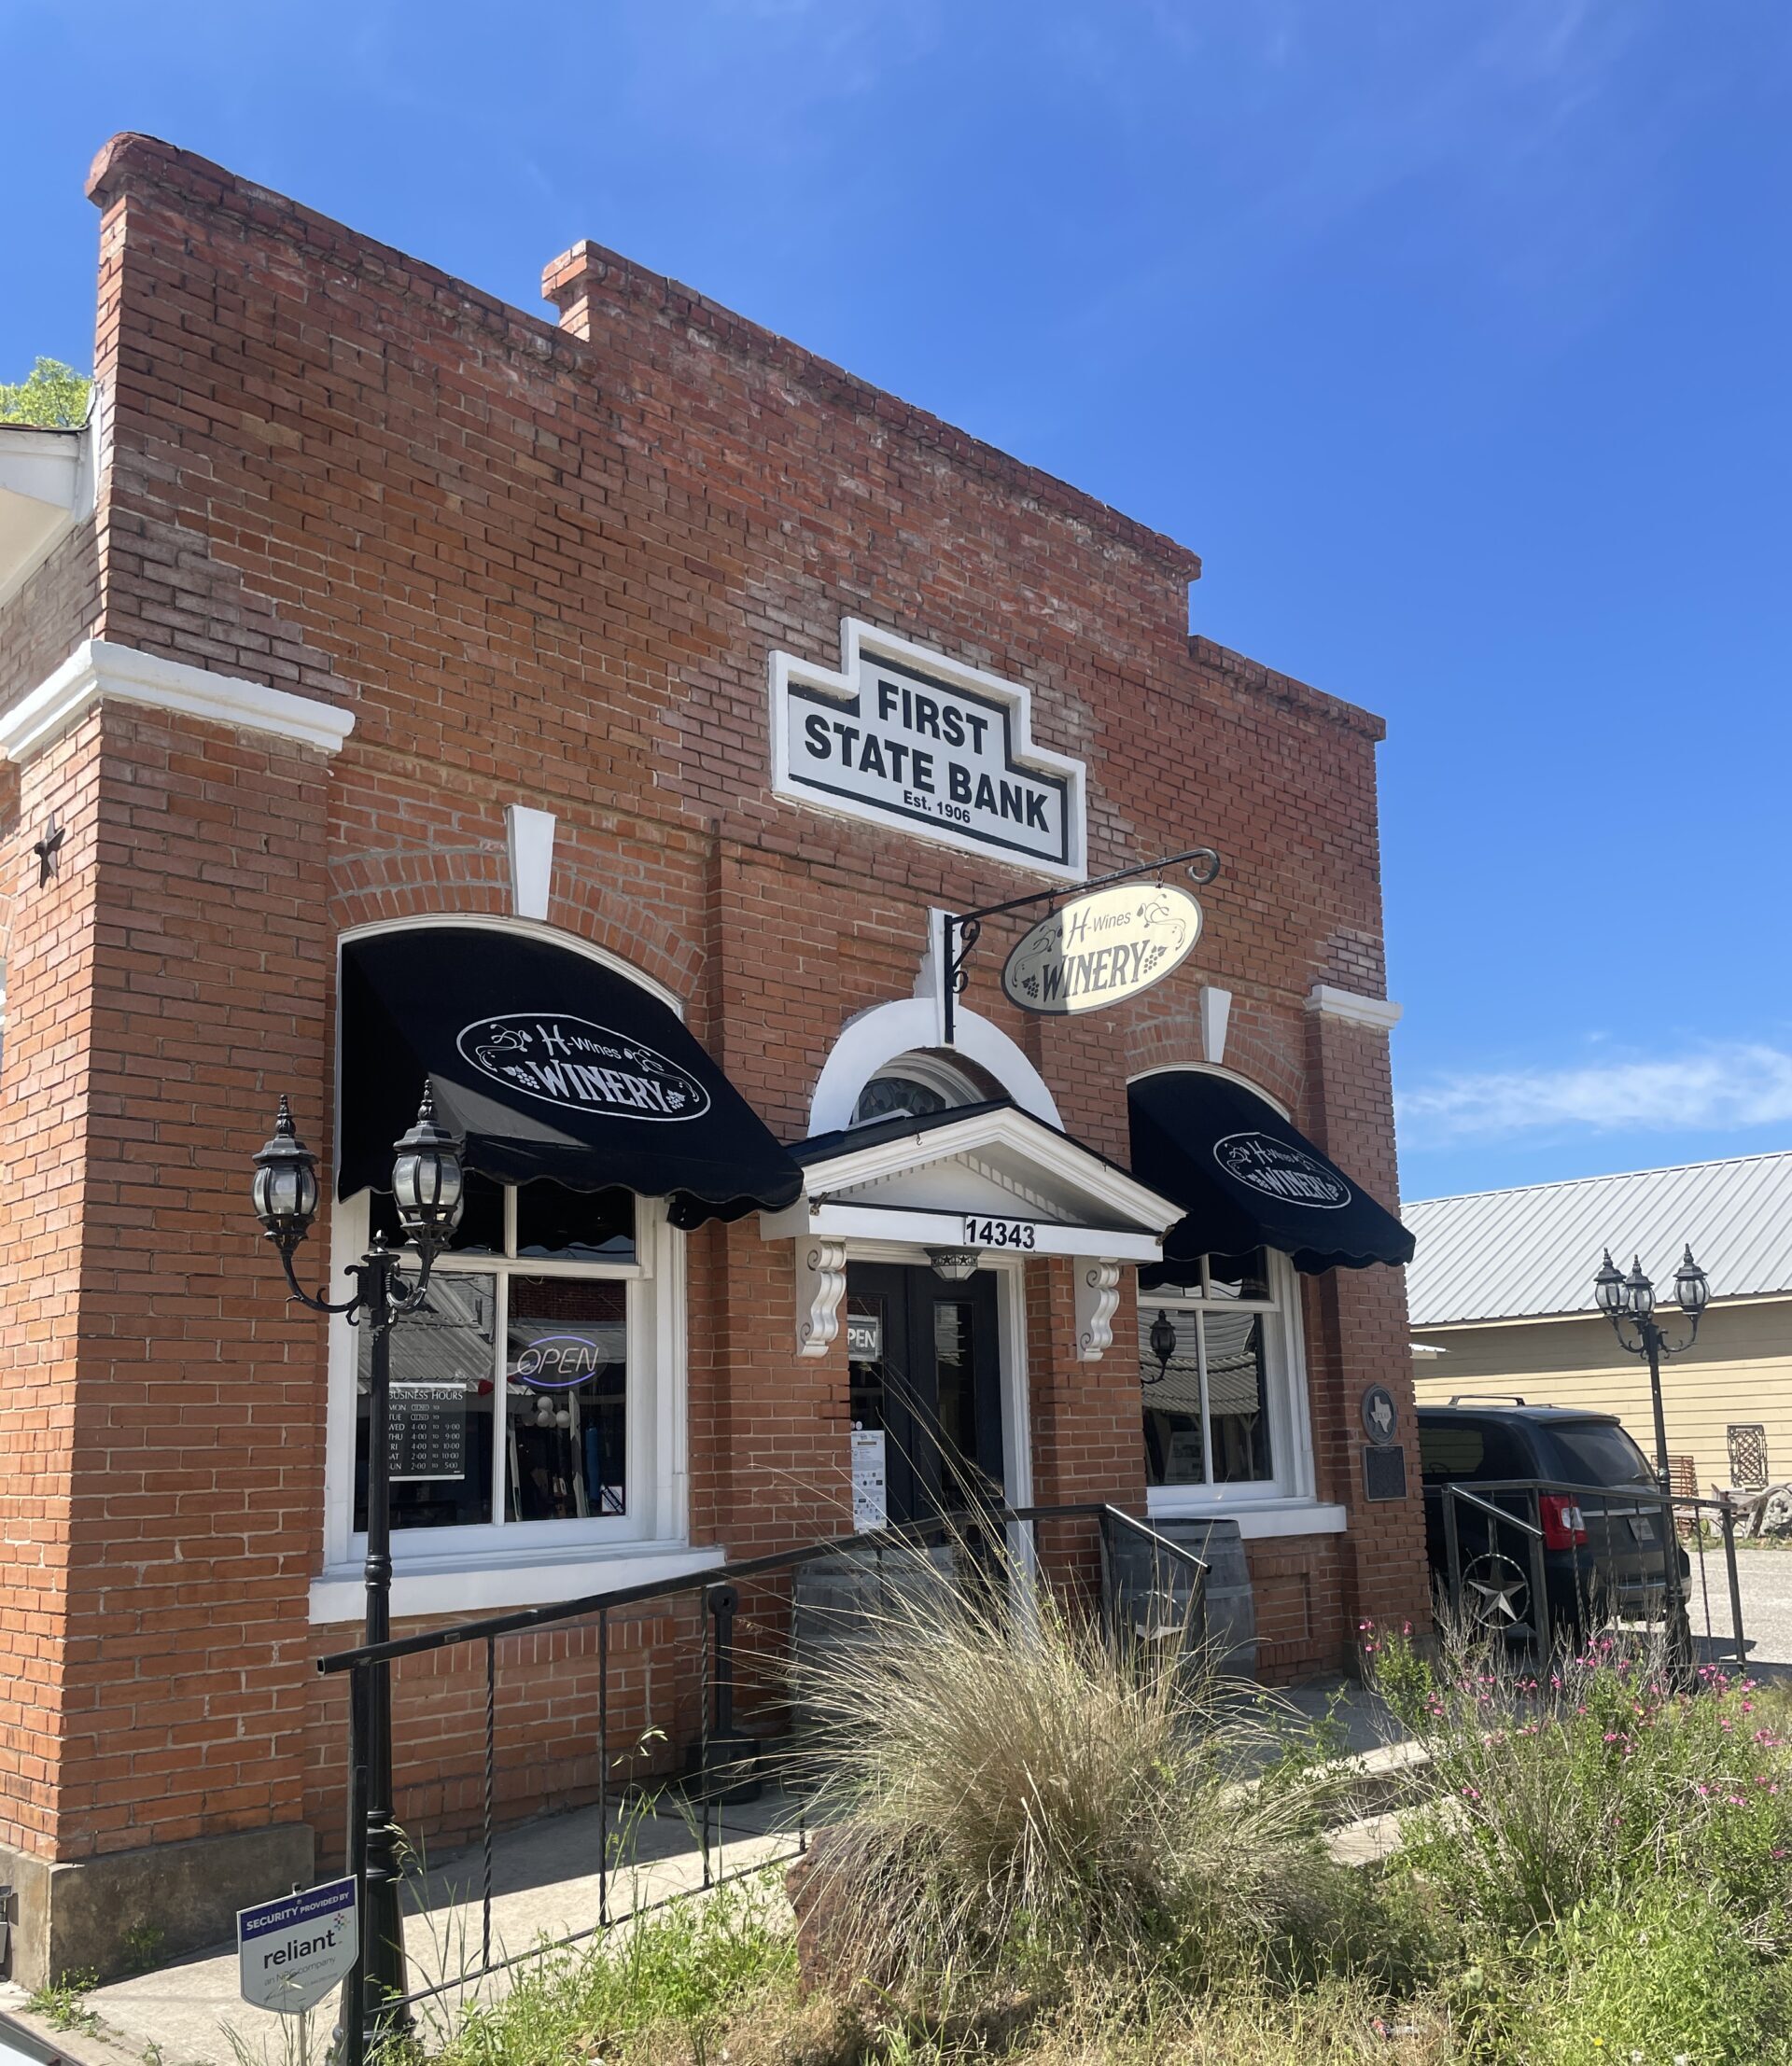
1766 1578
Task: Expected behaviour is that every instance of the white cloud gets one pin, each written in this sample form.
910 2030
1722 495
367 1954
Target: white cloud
1720 1087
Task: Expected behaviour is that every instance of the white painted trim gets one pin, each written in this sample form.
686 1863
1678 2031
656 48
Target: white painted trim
1114 1189
459 1584
97 670
48 480
1291 1433
657 1434
529 835
866 1044
920 1230
1213 1069
859 639
480 921
1216 1012
1016 1383
1347 1004
1256 1519
1098 1293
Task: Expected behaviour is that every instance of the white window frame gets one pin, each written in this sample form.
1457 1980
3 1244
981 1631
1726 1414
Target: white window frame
1290 1491
511 1563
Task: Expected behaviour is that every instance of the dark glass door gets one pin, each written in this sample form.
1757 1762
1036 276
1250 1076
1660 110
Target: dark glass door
925 1370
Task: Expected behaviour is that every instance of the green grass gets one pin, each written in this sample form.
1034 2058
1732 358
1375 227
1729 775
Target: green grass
1045 1855
64 2004
682 1969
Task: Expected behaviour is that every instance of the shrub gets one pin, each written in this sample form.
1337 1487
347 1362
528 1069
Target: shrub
1666 1978
1010 1797
1572 1788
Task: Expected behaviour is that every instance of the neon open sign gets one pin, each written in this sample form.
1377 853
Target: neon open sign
558 1361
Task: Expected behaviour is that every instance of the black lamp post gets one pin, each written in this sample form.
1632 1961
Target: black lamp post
1631 1299
427 1188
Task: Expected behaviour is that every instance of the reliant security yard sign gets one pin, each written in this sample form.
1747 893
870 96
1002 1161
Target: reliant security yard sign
1102 948
905 737
292 1952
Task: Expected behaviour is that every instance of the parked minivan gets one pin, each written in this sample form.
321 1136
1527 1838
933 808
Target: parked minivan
1606 1533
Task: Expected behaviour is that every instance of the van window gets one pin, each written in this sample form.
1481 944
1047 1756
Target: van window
1599 1452
1452 1450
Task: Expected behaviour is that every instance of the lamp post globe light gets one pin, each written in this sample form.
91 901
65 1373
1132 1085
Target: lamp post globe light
426 1189
1629 1300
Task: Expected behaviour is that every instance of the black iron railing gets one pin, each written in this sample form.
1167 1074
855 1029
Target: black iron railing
746 1620
1617 1569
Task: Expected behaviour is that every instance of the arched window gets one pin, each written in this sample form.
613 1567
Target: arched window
919 1083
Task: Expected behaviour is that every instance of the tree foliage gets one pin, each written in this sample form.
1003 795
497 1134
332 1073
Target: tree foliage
53 396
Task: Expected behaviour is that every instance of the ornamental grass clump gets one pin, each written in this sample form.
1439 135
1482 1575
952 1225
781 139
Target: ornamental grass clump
1009 1795
1578 1785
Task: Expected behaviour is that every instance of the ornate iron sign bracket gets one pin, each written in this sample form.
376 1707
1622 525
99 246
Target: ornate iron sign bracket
963 929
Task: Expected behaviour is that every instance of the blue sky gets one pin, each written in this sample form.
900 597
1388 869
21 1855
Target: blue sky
1452 333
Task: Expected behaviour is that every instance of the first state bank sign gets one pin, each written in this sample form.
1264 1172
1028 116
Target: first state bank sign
905 737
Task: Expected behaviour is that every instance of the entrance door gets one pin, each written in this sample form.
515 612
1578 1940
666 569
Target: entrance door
925 1369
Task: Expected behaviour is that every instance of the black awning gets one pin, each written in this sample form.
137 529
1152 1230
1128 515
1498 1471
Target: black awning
549 1064
1246 1179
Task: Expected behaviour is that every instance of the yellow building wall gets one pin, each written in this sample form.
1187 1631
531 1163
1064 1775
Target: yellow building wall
1740 1370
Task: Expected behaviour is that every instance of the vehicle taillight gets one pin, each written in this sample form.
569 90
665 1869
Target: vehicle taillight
1564 1527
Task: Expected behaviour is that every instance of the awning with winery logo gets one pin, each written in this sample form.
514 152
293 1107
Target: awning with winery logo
1246 1179
549 1064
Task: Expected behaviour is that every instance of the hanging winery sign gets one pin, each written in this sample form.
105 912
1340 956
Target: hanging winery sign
1102 948
905 737
566 1061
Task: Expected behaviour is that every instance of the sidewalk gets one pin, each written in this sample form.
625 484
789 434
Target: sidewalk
544 1886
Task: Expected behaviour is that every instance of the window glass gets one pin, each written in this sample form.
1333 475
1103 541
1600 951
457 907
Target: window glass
1175 1425
584 1226
566 1381
866 1337
896 1097
958 1400
1595 1452
1207 1371
1243 1277
1483 1450
442 1395
1450 1452
480 1231
1238 1396
543 1329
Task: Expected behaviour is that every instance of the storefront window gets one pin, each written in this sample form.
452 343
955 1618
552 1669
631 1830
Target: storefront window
1215 1362
511 1385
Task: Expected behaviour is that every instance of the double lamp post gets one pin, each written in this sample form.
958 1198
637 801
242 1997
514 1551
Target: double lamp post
426 1188
1630 1301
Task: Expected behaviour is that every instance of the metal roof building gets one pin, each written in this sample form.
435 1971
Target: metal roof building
1531 1253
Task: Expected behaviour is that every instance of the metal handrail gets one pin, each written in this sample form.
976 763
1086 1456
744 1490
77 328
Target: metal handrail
919 1533
1499 1513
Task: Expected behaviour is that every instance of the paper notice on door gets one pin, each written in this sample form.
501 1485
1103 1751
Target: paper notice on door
869 1503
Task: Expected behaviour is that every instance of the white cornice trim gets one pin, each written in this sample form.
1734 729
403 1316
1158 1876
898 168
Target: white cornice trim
1005 1127
1346 1004
97 670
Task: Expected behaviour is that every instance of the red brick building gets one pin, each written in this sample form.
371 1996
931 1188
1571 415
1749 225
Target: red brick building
374 631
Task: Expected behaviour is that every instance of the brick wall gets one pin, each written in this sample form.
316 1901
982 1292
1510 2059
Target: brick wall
546 563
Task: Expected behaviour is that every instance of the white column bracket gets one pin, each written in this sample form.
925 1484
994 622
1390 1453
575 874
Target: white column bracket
821 1286
1097 1292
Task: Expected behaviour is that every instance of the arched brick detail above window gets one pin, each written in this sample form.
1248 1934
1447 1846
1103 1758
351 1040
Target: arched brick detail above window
450 882
1256 1048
